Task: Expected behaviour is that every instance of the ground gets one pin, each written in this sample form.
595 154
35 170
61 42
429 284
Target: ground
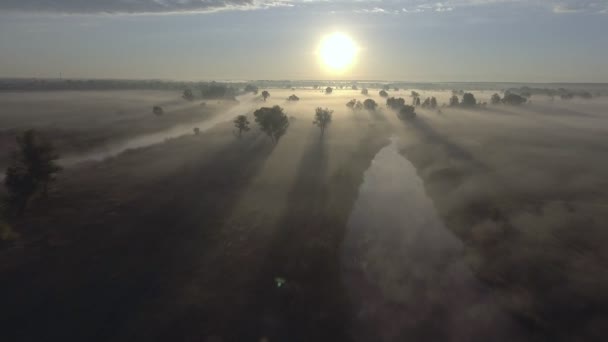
212 237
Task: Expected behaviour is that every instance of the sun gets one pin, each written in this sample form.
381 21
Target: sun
338 51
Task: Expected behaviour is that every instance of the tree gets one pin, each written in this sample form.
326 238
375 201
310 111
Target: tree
158 110
433 102
322 118
250 88
426 103
272 121
394 103
370 104
454 101
242 124
417 101
495 99
188 95
354 87
265 95
293 98
383 93
513 99
364 91
468 100
407 112
196 130
328 90
32 167
351 104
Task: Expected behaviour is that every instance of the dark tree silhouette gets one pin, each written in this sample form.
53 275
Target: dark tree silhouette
370 104
383 93
426 103
329 90
468 100
196 130
293 98
250 88
188 95
513 99
322 118
158 110
454 101
351 104
265 95
394 103
32 168
417 101
272 121
364 91
433 102
242 124
407 112
495 99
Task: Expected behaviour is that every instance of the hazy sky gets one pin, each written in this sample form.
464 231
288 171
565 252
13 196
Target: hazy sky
410 40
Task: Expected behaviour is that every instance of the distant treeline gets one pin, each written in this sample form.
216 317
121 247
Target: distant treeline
68 84
563 93
229 89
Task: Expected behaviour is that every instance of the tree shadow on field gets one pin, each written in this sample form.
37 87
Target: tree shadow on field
93 289
453 151
377 114
293 289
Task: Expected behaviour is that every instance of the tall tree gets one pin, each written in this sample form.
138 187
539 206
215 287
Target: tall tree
272 121
328 90
322 118
242 124
31 169
265 95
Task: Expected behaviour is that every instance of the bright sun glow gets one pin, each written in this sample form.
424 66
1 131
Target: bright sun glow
338 51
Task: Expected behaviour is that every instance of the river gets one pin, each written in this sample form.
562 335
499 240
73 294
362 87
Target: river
405 272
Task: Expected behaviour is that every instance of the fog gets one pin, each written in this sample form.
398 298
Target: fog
458 224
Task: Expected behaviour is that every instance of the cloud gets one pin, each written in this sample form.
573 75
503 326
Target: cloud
134 6
581 6
336 6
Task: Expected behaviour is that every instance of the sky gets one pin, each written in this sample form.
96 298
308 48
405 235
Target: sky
408 40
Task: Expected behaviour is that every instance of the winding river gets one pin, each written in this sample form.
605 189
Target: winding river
405 271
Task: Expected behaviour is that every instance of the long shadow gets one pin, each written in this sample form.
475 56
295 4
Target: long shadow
454 151
299 291
90 291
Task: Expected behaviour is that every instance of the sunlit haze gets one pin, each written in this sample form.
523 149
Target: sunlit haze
413 40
